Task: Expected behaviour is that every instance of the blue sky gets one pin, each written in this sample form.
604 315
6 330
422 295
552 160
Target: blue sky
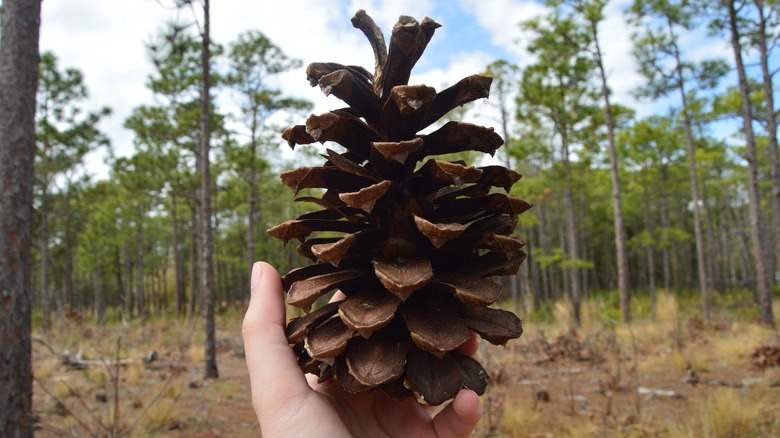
105 40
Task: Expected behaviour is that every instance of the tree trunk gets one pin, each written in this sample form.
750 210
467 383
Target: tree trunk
194 279
139 264
762 283
206 237
128 311
19 35
744 253
67 290
649 251
571 232
712 247
697 230
44 243
120 285
99 298
666 224
544 244
178 260
771 131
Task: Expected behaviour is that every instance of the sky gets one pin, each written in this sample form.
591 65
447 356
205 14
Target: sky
105 40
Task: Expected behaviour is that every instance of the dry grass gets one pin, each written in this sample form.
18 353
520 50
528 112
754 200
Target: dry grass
729 412
653 354
519 419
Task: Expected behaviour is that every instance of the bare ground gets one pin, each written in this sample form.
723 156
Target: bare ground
648 380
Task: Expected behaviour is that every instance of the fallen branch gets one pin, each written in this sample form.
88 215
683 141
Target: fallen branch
77 362
658 392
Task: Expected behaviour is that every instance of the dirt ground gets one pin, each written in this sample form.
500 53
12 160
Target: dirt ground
647 380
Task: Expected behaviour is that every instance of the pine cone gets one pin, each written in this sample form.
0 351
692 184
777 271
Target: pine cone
415 244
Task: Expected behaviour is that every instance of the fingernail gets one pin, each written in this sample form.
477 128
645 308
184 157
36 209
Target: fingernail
257 276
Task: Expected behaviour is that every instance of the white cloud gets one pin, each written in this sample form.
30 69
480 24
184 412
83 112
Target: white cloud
502 18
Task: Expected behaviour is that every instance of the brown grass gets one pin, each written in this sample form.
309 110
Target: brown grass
592 395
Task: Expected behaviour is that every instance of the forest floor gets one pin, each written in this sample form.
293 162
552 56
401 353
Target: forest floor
675 376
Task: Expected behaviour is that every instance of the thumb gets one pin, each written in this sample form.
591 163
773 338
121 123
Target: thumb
461 416
273 369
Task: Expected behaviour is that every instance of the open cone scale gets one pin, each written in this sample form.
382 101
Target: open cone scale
417 237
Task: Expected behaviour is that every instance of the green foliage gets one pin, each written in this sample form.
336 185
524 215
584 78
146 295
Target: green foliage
93 223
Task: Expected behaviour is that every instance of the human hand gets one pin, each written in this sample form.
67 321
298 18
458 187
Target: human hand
287 403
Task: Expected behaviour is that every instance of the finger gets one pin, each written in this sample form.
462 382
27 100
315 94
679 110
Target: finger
273 369
338 296
470 347
461 416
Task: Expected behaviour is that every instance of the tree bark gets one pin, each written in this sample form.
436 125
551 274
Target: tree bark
571 232
620 229
44 244
697 230
666 224
178 257
128 292
139 264
194 256
771 131
649 250
19 59
98 296
206 236
762 283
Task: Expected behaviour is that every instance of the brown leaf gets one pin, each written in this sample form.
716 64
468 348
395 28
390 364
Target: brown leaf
368 310
298 327
434 325
402 277
470 289
434 380
378 360
440 233
305 292
494 325
329 339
